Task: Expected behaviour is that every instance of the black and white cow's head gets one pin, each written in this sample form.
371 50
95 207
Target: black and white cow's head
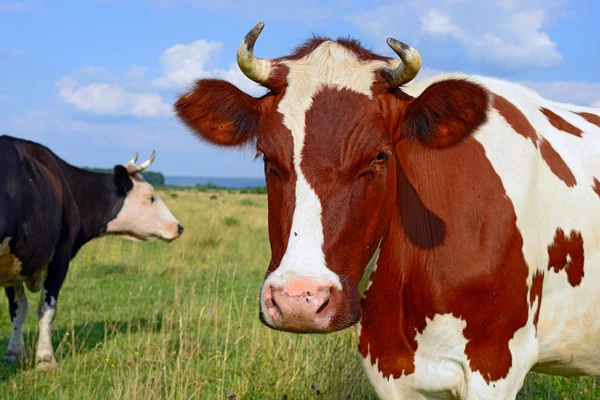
143 215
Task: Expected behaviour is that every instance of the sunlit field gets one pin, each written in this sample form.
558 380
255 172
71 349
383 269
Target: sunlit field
180 321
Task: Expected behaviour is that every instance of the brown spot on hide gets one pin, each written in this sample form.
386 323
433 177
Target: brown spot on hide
535 292
591 118
566 253
515 118
559 123
557 165
596 186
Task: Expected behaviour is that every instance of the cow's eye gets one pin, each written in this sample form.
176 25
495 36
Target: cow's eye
152 199
269 168
380 159
378 163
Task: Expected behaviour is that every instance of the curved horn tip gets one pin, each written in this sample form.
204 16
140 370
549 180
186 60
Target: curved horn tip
147 163
397 45
255 68
407 67
134 159
251 36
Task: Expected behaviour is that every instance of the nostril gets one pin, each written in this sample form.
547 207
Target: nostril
272 306
323 306
179 229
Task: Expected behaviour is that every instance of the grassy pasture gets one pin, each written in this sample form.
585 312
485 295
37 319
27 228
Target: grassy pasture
180 321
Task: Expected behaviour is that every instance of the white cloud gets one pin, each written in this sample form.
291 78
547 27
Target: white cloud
99 90
438 24
183 64
509 34
110 99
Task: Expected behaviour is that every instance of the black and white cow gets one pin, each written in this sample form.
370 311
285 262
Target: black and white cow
48 210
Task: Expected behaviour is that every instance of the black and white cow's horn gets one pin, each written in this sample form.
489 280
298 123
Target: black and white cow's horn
255 68
405 69
133 160
147 163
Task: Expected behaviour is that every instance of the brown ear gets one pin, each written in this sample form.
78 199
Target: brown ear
220 113
446 112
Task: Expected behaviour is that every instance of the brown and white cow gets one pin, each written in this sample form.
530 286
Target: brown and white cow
456 218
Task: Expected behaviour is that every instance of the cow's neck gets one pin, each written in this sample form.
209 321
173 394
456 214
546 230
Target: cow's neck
96 203
452 251
394 296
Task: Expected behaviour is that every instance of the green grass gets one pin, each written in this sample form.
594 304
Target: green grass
180 321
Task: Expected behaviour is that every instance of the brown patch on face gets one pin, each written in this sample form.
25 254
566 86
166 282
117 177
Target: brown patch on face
345 133
596 186
566 253
591 118
473 268
535 292
556 164
10 265
559 123
277 145
515 118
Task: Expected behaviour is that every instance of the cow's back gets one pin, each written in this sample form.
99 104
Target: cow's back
30 208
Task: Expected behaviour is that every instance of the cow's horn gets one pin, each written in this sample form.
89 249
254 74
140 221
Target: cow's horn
406 68
133 160
255 68
147 163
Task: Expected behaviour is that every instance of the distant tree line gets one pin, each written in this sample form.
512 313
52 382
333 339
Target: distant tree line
210 186
152 177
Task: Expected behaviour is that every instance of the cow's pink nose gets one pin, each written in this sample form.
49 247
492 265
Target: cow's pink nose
300 306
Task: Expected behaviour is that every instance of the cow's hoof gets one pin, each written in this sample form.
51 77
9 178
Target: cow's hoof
14 357
46 363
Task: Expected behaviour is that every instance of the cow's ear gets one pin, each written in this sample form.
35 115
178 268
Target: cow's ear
220 113
122 180
446 112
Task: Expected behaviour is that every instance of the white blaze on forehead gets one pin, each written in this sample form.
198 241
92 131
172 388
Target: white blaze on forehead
329 65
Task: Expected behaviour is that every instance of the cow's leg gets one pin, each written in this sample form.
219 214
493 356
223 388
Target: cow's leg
57 271
17 307
46 311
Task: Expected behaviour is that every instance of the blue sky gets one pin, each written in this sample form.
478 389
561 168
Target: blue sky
95 80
